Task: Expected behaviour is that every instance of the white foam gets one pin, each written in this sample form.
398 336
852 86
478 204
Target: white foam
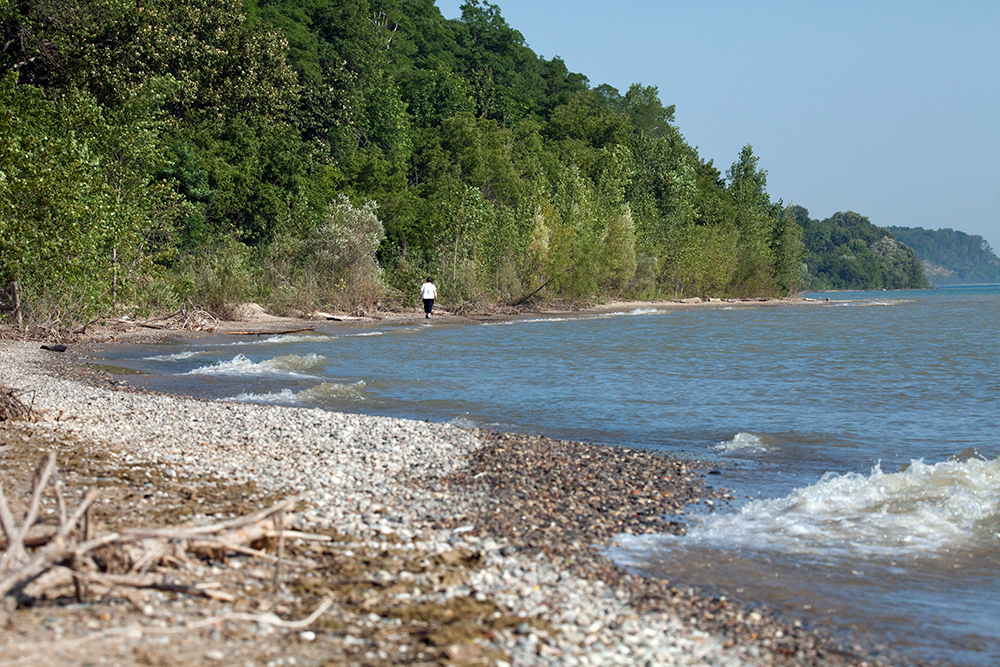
179 356
284 339
921 509
291 364
576 318
463 421
326 391
546 320
627 313
869 303
283 396
743 443
318 395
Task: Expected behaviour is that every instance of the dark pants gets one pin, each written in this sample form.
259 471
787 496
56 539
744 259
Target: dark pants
428 305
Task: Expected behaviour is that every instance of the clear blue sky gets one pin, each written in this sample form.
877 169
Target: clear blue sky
887 108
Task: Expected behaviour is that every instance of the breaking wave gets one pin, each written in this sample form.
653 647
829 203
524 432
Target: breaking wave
919 510
319 395
179 356
744 443
291 364
869 303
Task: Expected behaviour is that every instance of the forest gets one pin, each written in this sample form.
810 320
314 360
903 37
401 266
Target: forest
329 154
951 257
847 252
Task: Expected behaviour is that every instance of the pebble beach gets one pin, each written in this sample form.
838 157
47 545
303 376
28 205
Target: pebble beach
522 521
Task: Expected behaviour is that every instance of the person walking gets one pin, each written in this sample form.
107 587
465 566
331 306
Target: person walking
428 292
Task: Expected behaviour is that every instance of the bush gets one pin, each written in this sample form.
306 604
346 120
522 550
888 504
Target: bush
217 276
333 264
81 220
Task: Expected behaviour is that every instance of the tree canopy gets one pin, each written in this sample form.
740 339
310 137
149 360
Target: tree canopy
206 150
846 251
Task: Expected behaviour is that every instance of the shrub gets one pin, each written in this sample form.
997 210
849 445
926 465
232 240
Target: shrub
333 264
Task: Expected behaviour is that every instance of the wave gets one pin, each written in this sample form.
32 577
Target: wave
179 356
869 303
463 421
284 339
743 443
283 396
327 391
629 313
925 510
576 318
319 395
292 364
919 510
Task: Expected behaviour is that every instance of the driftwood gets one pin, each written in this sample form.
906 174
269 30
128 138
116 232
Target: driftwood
12 408
72 558
269 333
187 318
210 622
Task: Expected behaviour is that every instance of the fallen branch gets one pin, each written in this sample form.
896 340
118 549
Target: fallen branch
12 408
269 333
70 555
268 619
194 320
137 632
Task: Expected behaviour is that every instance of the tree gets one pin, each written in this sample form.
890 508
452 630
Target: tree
643 107
951 256
501 69
82 220
755 219
846 251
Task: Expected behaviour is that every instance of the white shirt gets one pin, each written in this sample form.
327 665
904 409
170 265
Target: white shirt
428 291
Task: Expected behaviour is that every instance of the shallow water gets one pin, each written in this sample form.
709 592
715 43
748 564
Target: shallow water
836 422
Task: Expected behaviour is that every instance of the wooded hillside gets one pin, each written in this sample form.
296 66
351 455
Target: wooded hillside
330 153
846 251
951 257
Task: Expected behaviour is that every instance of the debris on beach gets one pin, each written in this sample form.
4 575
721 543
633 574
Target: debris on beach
12 408
71 560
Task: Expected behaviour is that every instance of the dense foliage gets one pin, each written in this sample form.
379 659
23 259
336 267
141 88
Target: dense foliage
846 251
951 257
330 153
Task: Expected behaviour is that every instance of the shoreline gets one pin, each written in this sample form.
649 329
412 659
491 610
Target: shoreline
252 319
434 489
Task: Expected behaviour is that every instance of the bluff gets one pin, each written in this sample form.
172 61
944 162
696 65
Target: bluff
951 257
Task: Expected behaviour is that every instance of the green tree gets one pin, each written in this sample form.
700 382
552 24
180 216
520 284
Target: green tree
755 219
642 105
81 219
502 70
846 251
951 256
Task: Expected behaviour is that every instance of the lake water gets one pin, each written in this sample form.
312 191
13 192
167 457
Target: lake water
861 434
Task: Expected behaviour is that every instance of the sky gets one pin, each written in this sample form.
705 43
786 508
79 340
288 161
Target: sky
889 108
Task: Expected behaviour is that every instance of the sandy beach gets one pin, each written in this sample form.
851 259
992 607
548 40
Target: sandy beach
441 545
